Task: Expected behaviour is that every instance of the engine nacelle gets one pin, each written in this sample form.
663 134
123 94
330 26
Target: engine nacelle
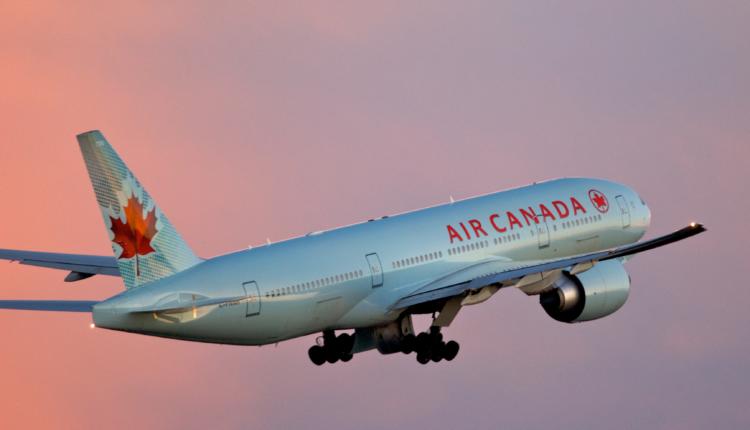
590 295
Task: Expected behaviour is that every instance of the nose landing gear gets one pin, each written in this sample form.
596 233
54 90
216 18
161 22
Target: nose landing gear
430 346
333 349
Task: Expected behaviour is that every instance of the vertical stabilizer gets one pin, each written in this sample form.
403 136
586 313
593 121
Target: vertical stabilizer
145 243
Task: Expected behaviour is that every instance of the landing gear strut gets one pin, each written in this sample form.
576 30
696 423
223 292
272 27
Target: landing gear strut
333 349
430 346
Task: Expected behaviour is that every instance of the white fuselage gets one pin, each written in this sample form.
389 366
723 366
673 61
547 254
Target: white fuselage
350 277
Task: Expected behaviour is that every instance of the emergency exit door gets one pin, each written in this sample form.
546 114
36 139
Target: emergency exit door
252 298
376 269
624 211
542 233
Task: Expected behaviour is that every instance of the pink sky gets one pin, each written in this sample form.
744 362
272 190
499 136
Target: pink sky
251 121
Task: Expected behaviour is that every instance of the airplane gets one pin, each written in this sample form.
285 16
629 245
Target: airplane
564 240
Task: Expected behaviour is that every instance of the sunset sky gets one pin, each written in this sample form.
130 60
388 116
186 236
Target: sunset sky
249 121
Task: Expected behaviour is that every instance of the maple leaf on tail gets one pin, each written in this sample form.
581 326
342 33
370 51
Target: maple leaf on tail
135 234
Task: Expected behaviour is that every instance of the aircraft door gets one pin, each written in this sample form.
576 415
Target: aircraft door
252 298
376 269
624 211
542 233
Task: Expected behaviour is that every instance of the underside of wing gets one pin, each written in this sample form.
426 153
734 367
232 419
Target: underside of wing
79 266
48 305
472 280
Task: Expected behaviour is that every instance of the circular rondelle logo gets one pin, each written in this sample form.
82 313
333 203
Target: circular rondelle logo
599 200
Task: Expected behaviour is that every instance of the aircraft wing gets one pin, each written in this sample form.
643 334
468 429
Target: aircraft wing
503 274
48 305
80 266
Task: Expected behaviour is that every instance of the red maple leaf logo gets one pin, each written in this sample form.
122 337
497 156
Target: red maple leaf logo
599 200
135 234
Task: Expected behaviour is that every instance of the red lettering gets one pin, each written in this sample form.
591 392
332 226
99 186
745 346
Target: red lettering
512 220
453 234
561 208
576 206
546 213
477 227
529 215
492 221
468 236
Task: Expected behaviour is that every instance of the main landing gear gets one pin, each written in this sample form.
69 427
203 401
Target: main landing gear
333 348
430 346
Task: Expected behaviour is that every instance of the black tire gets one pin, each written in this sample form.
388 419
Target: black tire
332 355
346 357
423 358
451 350
317 355
345 343
422 343
408 344
436 337
437 352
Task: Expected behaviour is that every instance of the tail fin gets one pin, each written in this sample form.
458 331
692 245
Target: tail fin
144 242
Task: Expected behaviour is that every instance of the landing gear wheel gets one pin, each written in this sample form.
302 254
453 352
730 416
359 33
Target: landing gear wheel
345 342
451 350
332 355
408 344
437 352
435 335
423 358
346 357
317 355
422 343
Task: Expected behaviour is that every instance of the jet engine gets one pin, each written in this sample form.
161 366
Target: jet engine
587 296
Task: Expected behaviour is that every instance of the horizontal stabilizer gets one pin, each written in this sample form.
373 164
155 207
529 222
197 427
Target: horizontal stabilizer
83 264
48 305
